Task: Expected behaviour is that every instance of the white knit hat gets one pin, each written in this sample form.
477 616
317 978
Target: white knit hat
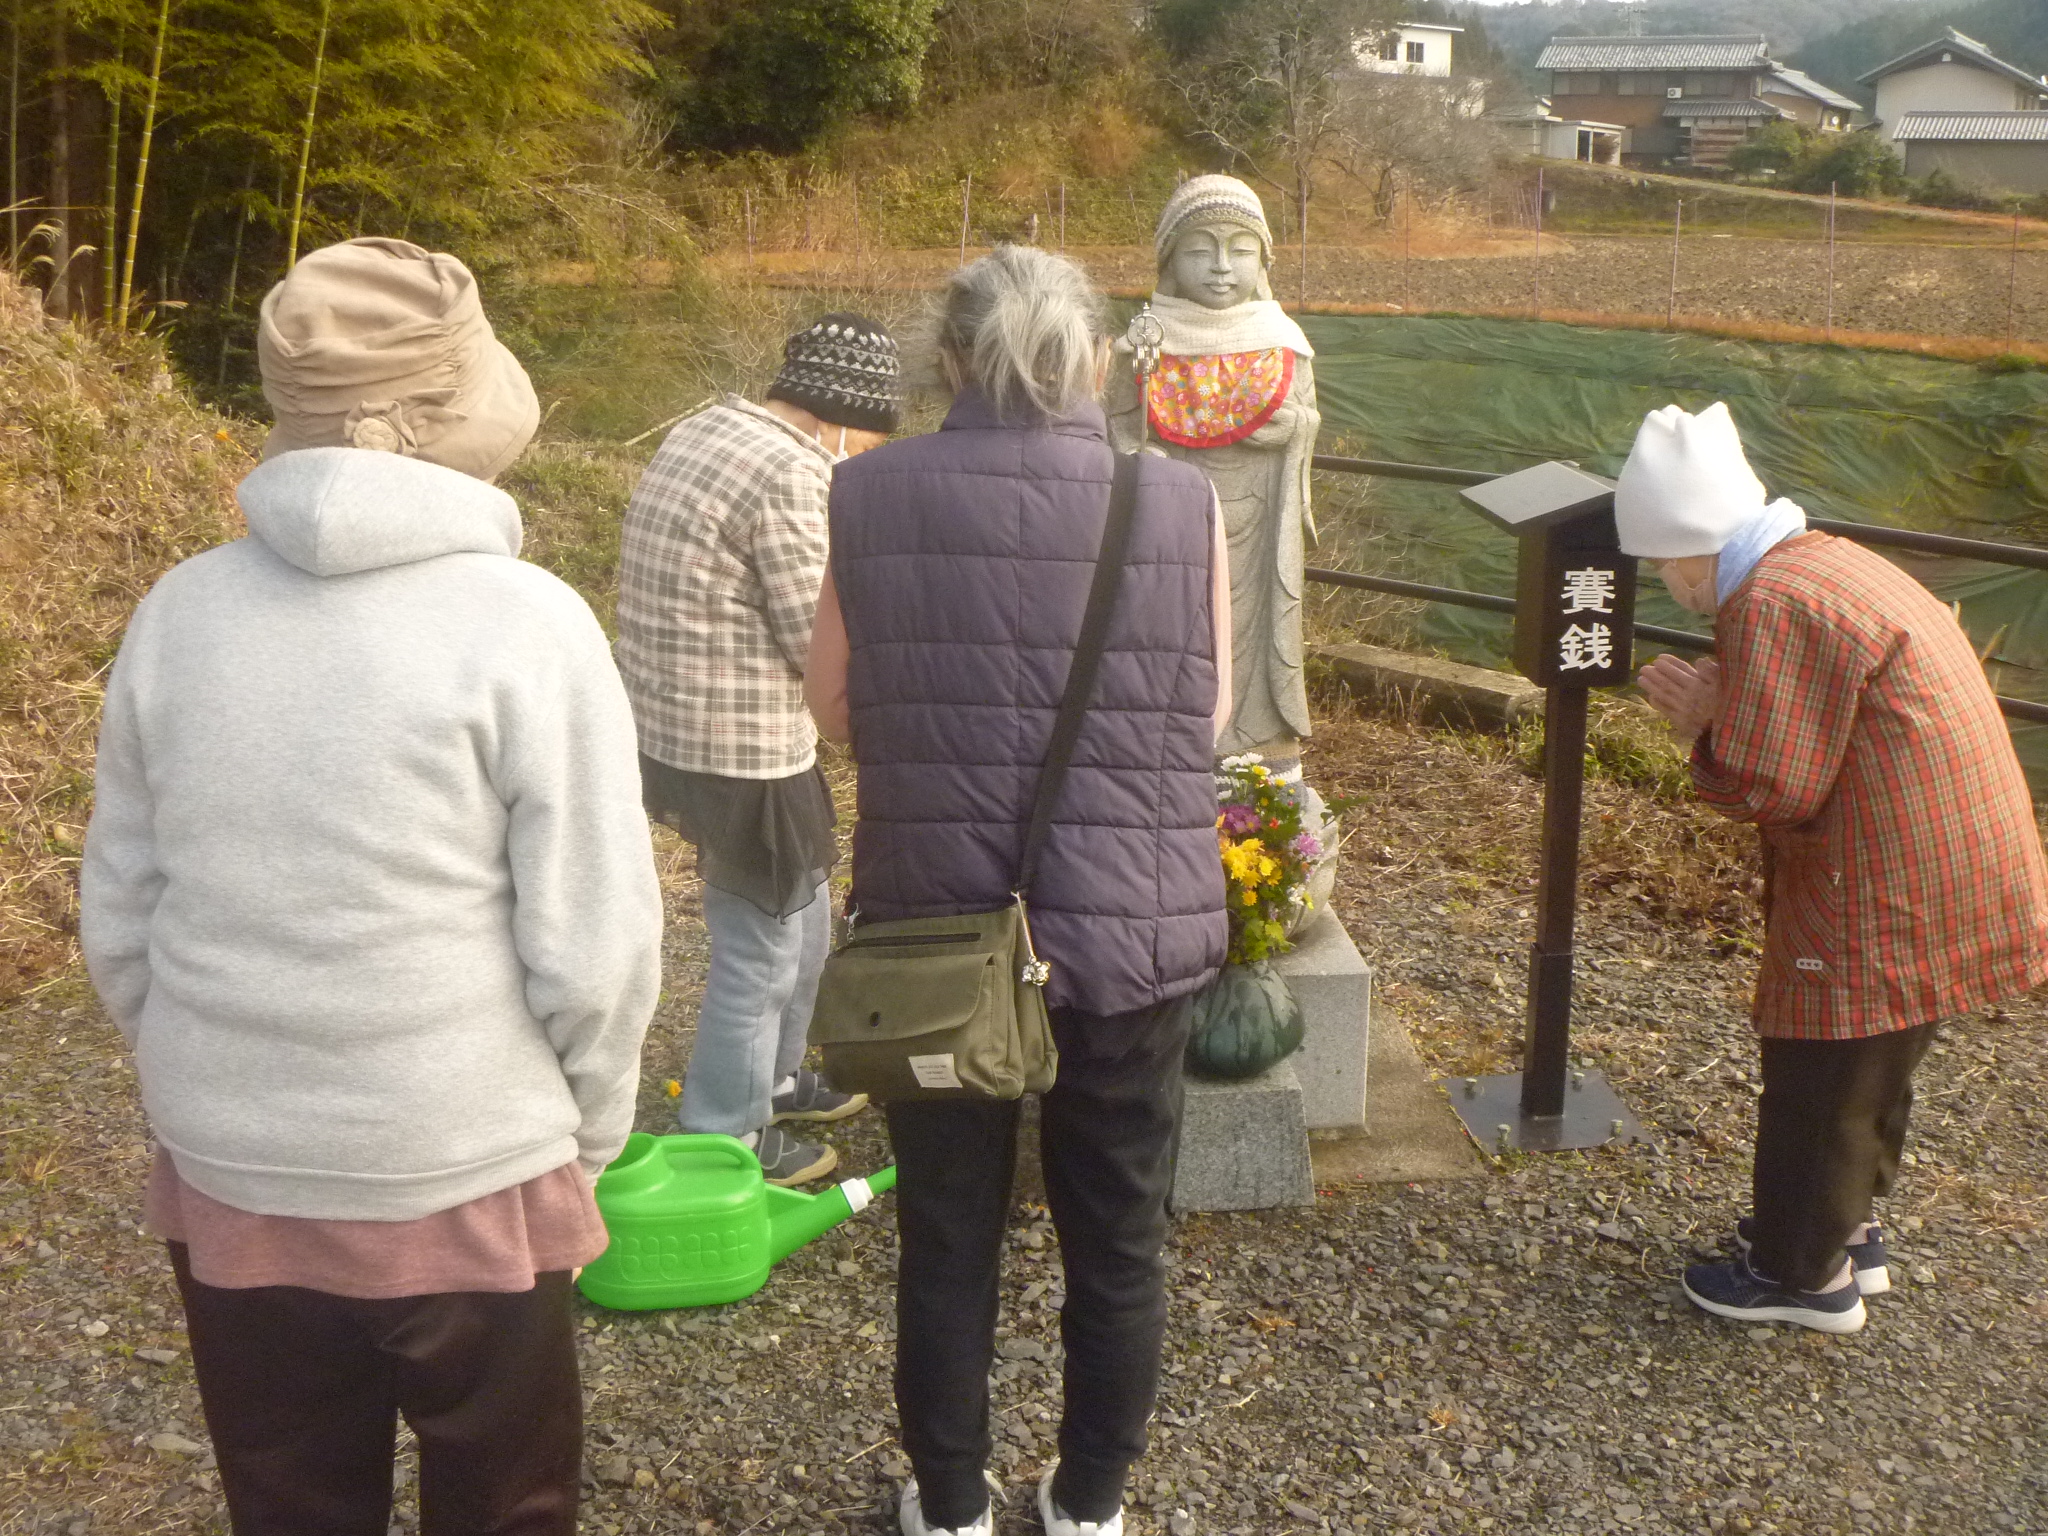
1202 198
1686 486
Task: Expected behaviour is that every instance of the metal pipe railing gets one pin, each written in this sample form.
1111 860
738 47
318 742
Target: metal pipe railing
2022 555
1685 639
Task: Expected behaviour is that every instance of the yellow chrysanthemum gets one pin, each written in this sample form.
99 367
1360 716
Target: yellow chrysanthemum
1241 860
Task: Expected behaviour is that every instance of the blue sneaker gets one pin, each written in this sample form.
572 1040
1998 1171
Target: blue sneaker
1868 1259
1735 1290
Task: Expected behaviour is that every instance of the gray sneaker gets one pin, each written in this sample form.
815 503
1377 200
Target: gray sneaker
814 1099
787 1161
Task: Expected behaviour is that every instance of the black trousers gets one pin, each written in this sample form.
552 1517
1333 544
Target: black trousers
302 1392
1106 1133
1829 1129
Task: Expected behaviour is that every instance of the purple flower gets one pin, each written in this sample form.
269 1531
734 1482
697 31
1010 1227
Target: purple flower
1239 819
1307 848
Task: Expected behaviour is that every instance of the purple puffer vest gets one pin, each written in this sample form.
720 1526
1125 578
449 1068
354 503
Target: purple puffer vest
962 561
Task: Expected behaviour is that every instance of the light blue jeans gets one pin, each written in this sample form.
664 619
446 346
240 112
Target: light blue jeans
756 1012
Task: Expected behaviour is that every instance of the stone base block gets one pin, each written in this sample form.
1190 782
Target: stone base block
1333 984
1440 692
1244 1146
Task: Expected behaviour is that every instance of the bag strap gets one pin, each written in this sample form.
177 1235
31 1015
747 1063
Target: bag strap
1066 730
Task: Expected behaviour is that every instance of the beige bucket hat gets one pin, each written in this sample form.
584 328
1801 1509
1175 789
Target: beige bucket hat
377 343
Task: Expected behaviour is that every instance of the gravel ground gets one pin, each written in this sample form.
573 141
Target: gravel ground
1498 1353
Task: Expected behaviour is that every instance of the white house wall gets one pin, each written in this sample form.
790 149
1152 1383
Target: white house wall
1947 88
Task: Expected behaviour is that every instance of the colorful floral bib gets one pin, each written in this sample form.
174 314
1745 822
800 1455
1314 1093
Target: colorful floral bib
1216 399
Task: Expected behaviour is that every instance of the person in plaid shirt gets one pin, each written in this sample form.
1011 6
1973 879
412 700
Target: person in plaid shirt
721 557
1848 718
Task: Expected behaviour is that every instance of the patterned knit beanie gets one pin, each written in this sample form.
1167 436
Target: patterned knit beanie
1209 199
843 369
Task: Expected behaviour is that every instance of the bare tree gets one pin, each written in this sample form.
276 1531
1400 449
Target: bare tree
1399 130
1270 92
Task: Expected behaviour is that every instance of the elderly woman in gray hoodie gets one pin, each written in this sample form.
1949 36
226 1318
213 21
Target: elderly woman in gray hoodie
369 891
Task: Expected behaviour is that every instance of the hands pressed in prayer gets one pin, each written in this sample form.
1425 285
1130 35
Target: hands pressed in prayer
1687 694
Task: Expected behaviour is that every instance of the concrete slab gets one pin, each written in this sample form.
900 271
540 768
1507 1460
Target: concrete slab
1411 1131
1243 1146
1333 984
1441 692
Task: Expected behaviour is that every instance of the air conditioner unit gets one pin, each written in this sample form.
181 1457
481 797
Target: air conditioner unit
1674 92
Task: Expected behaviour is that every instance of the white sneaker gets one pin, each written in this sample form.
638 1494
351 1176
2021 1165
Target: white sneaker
1057 1524
910 1517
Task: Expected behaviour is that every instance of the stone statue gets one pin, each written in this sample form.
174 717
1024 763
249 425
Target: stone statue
1234 394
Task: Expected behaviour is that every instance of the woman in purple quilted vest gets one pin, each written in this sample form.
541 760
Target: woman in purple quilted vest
960 569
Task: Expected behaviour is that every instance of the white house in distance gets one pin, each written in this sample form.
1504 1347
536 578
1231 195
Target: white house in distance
1533 129
1951 74
1409 48
1420 51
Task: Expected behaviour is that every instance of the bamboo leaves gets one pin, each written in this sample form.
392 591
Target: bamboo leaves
231 136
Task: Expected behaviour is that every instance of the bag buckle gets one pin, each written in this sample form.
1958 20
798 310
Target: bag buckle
1034 972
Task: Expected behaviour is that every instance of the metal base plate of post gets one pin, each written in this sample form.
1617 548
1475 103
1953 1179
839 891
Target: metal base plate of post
1594 1115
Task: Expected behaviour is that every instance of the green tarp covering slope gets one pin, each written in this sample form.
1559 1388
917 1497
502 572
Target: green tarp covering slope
1862 436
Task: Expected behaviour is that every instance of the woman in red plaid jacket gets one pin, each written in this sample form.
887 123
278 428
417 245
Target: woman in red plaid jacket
1848 718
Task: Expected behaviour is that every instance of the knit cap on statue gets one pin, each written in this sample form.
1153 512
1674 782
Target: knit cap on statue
1201 199
843 369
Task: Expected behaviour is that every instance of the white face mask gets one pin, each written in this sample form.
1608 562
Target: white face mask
839 453
1698 598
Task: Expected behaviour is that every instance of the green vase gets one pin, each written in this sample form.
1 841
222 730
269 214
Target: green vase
1245 1022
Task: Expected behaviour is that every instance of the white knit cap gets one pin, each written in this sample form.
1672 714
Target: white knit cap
1204 198
1686 486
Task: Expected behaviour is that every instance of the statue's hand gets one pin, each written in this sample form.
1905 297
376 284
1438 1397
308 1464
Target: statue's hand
1280 430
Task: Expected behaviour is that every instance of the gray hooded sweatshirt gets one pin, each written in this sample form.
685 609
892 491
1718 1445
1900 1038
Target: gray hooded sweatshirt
368 886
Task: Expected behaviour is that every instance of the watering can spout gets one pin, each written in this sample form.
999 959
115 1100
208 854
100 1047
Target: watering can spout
795 1218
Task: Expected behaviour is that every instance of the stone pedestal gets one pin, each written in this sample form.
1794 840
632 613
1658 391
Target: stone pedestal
1333 984
1244 1146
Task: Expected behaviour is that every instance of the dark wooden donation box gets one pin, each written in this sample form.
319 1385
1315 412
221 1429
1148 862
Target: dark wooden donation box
1575 591
1575 604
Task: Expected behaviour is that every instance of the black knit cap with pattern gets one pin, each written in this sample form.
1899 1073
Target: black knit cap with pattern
843 369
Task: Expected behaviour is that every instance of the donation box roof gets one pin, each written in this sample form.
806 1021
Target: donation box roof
1540 497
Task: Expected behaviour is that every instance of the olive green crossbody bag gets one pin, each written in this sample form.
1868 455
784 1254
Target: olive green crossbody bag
954 1007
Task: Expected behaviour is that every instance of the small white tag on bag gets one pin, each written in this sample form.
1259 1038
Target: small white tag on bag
934 1071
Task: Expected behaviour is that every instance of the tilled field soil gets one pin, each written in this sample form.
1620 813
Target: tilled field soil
1921 290
1499 1353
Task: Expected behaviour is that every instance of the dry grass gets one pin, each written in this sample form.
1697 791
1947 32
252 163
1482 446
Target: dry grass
1472 821
109 475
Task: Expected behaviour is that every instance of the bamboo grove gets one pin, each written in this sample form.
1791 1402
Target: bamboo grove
183 152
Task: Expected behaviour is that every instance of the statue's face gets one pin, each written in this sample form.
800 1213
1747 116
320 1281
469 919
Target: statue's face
1216 265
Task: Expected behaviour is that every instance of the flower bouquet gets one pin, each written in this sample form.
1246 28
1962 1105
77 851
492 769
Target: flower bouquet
1247 1020
1267 856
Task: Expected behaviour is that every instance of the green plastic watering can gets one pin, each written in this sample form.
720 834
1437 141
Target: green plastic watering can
693 1223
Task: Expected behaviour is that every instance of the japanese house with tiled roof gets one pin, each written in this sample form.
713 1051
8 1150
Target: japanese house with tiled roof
1948 74
1684 100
